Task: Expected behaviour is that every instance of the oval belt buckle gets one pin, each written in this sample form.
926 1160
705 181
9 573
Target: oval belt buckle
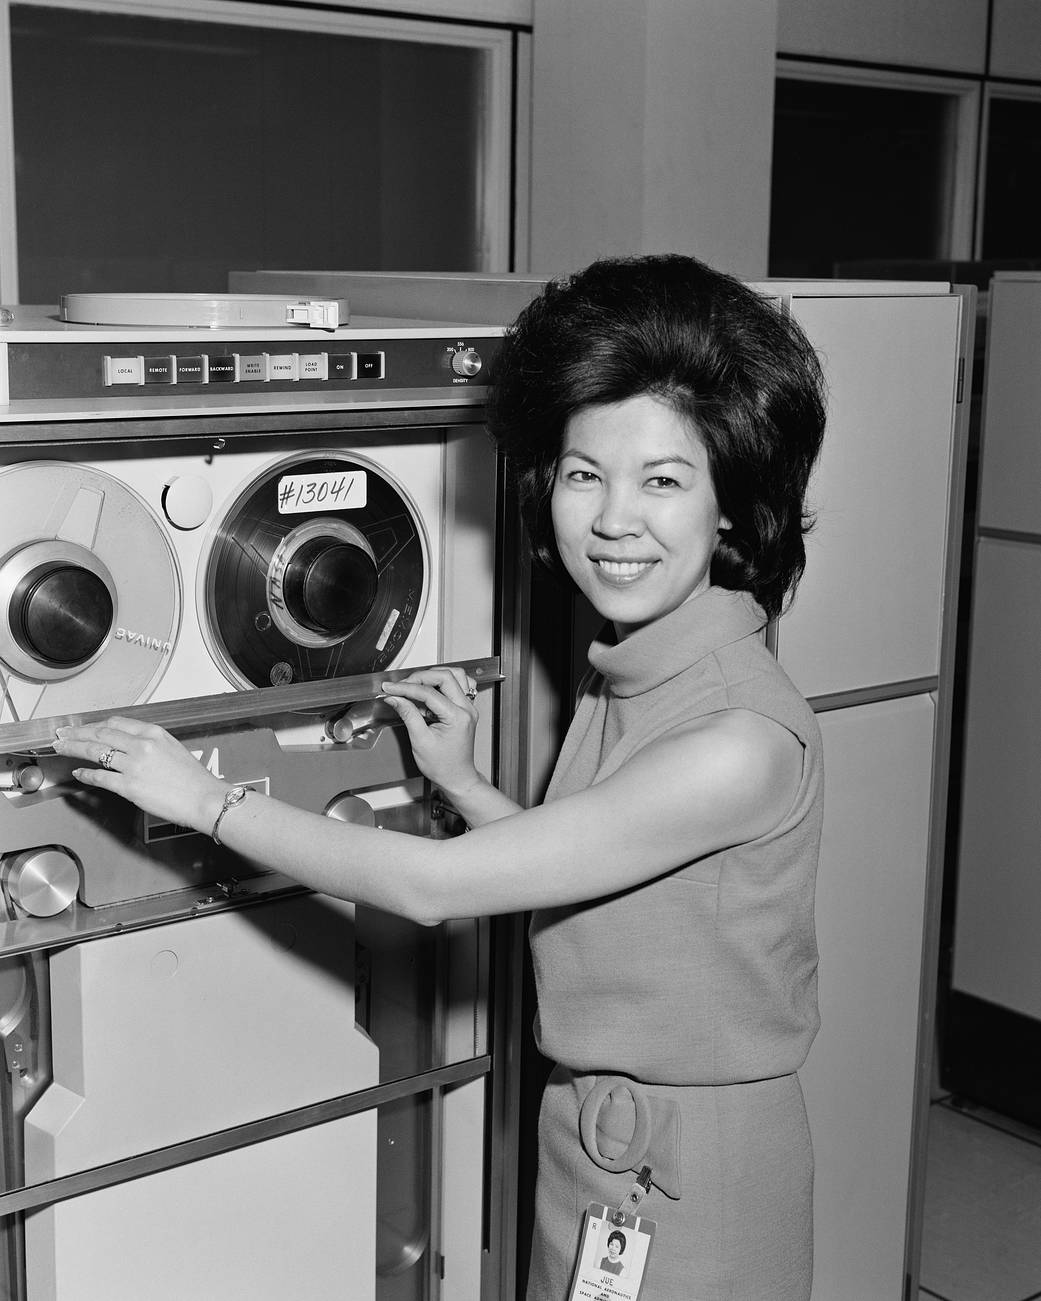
633 1156
636 1149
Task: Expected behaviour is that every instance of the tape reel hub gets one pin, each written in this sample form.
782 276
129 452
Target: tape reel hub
57 608
62 614
330 581
42 882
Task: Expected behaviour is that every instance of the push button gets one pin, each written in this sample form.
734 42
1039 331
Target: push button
190 370
341 366
222 370
159 370
283 366
313 365
370 365
123 370
253 368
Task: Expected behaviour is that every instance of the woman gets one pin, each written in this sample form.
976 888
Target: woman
661 421
612 1262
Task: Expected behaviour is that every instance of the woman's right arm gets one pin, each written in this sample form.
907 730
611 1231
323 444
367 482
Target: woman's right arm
440 717
720 780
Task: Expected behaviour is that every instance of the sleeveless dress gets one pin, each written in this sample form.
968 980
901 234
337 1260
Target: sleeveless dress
679 1011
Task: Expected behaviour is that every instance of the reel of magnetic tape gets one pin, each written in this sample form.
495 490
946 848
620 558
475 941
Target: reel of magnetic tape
318 569
317 566
204 311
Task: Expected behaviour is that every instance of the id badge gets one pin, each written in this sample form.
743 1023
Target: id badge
612 1261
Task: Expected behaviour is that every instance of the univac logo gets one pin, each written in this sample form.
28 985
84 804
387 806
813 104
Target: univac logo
144 641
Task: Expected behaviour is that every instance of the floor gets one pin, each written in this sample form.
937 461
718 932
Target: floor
982 1229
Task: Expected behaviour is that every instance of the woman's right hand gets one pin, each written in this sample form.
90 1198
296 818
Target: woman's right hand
440 715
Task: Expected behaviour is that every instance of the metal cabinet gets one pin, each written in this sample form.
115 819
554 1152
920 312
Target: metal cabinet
993 1021
869 640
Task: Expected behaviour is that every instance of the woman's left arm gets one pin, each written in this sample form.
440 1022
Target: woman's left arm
723 780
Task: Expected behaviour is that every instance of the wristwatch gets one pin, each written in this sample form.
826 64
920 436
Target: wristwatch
234 796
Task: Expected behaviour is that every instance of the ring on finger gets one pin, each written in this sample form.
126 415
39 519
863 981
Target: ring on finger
472 694
105 760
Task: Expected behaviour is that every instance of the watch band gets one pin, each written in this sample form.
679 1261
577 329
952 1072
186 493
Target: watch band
234 796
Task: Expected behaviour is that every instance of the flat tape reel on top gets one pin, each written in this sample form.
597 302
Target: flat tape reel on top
203 311
318 569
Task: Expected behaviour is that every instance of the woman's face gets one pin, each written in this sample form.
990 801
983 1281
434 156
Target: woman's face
614 1248
634 509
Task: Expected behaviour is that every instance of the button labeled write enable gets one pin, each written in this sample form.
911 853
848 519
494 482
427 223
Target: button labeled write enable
253 368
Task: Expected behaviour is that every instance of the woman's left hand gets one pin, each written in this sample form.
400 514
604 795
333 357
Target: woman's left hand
438 709
147 766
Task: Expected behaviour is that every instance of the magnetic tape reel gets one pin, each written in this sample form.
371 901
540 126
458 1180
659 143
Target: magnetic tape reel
319 569
78 621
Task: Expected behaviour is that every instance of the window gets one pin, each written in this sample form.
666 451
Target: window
868 168
1011 201
159 152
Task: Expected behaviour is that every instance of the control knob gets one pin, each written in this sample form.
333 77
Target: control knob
466 362
42 882
25 777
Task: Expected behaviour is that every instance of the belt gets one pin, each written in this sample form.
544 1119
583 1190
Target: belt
645 1131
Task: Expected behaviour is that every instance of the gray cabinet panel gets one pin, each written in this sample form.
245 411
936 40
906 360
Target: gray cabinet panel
859 1079
869 608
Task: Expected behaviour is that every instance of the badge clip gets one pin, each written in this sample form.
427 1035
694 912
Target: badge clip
641 1187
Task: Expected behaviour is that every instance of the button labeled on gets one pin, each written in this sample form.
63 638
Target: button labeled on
341 365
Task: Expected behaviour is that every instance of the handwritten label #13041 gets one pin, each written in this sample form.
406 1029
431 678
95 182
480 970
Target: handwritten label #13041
331 490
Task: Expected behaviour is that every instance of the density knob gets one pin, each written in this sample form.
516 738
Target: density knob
42 882
61 613
330 586
466 362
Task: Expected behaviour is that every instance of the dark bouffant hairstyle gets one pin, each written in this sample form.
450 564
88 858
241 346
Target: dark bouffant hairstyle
721 355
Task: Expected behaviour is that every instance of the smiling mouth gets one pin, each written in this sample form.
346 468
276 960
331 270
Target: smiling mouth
623 571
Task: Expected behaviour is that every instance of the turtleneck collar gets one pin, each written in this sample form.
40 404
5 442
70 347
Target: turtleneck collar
660 650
